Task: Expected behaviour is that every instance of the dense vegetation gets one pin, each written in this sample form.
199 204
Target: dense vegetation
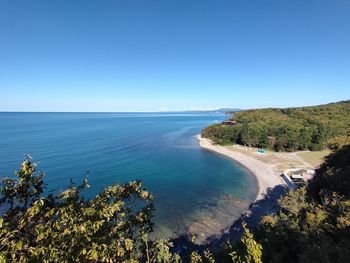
66 228
287 129
313 224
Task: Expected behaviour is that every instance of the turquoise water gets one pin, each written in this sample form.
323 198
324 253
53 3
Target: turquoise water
158 148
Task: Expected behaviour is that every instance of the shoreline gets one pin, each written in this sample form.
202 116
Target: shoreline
267 177
270 188
267 169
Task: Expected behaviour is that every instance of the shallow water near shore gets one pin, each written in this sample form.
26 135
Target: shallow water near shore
196 191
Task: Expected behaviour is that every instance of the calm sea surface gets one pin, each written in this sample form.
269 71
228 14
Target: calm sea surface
158 148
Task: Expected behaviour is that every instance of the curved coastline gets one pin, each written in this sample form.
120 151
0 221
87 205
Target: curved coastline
270 188
264 173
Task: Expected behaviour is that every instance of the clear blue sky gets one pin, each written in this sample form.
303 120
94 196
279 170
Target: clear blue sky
172 55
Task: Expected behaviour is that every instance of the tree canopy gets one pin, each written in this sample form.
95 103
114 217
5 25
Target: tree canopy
313 224
286 129
67 228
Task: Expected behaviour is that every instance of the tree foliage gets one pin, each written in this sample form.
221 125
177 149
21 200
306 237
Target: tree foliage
339 141
67 228
247 249
313 224
287 129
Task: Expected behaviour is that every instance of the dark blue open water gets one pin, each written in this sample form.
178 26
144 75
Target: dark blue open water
158 148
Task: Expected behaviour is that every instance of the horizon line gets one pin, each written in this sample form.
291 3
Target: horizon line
175 111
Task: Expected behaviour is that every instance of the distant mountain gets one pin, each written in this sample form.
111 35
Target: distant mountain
222 110
227 110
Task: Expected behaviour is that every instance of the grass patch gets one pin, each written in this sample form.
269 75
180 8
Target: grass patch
314 158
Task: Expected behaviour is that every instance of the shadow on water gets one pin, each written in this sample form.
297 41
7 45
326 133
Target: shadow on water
262 207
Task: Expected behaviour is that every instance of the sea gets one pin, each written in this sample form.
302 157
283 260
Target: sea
197 192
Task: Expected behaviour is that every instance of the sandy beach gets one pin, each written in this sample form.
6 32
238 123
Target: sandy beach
267 168
266 174
224 221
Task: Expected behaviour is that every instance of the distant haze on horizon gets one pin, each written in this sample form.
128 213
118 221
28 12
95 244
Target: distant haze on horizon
128 56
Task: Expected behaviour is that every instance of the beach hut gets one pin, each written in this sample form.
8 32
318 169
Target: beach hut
297 177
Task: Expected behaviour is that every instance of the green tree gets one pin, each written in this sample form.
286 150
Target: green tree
67 228
18 193
248 249
339 141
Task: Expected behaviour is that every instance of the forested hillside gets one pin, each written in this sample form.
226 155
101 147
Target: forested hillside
286 129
